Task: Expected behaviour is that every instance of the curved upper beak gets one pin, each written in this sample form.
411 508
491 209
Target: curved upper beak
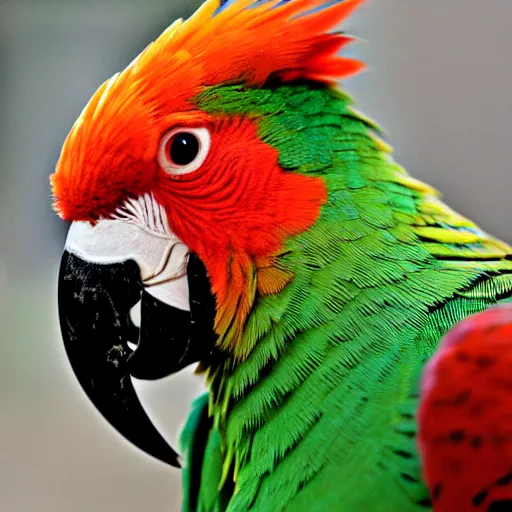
105 270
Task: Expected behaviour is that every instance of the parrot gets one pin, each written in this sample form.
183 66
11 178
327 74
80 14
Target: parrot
226 182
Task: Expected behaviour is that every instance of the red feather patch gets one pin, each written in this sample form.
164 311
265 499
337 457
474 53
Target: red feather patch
235 212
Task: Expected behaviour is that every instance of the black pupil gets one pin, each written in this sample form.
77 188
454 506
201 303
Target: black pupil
184 148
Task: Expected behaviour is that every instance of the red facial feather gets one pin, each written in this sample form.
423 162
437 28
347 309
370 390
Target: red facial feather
239 206
240 199
465 417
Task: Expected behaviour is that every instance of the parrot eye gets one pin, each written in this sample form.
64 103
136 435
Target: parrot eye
183 150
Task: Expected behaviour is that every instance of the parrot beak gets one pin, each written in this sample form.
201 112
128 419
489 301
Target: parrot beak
105 270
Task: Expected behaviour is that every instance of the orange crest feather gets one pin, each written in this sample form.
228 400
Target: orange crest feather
250 42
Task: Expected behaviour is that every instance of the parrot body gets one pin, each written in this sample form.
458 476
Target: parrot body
321 414
225 154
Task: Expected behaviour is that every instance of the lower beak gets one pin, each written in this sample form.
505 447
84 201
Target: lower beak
95 300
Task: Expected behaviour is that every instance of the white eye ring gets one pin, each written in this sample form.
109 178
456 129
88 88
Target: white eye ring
182 155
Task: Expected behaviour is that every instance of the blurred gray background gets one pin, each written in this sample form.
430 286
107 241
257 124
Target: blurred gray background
439 82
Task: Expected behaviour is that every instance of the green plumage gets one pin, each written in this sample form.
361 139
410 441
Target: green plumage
320 414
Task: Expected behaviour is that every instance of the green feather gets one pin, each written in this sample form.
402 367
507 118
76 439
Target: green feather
320 415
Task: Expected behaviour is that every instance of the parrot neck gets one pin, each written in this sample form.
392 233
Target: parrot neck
384 252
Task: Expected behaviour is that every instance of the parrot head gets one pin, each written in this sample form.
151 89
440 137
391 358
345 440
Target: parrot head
178 197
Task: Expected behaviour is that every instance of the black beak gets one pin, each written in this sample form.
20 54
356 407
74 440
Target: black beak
94 308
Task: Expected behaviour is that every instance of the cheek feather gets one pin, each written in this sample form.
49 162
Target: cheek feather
241 198
236 212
